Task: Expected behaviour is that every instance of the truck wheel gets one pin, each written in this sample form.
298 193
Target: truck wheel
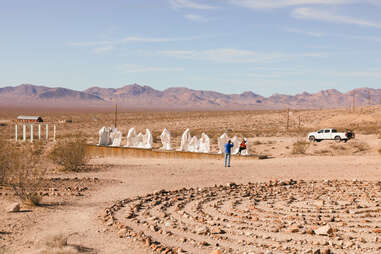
337 139
312 138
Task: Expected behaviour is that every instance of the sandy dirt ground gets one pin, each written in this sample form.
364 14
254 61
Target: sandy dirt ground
140 177
124 211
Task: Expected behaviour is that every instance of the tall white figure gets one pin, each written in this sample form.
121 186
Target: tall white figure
131 138
193 145
39 132
23 133
204 146
147 139
104 136
165 138
16 132
47 132
116 137
31 133
222 140
139 141
185 139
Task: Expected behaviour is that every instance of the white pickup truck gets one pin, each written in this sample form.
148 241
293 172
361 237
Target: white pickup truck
330 134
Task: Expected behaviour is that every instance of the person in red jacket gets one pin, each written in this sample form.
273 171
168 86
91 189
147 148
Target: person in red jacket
242 146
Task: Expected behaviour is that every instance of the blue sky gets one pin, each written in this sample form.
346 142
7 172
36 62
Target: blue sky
231 46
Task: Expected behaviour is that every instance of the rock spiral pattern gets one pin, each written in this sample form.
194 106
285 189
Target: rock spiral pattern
273 217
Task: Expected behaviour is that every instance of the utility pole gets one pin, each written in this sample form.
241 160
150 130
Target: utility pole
288 118
116 114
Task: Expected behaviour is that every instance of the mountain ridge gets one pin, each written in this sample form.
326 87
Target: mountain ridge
135 96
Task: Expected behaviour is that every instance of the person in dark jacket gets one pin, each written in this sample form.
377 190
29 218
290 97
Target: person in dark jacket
228 149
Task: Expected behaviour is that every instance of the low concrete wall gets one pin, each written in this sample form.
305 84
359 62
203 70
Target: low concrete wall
125 152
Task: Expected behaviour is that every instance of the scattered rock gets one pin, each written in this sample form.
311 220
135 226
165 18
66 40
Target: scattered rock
325 230
14 208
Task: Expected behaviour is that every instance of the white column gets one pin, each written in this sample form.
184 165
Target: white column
31 133
47 132
54 133
16 132
23 133
39 131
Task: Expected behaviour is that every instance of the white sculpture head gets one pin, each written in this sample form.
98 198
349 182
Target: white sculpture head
165 138
185 139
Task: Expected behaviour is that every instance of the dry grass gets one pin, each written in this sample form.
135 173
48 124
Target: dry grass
359 146
20 169
56 244
70 154
300 147
338 147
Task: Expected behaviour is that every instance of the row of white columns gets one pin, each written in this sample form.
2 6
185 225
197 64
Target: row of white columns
24 126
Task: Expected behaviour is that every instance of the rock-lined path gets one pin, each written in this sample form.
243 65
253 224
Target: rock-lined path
283 217
200 209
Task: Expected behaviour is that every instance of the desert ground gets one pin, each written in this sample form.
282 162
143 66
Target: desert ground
321 198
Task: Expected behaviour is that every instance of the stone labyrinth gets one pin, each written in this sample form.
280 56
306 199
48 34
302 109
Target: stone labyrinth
274 217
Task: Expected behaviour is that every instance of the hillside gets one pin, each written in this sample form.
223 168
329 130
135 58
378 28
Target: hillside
137 97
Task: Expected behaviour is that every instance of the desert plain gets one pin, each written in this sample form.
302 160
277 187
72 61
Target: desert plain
321 197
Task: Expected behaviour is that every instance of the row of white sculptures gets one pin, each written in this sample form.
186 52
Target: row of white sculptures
113 137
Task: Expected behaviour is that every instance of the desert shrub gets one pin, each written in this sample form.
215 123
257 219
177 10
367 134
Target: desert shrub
26 176
20 170
5 160
56 244
323 151
338 147
70 154
359 146
300 147
379 151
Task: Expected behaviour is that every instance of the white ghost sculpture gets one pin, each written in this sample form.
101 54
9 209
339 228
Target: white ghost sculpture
165 138
131 138
116 137
204 144
222 140
139 141
193 145
147 139
104 136
185 139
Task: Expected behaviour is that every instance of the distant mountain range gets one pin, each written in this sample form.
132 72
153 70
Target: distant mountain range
137 97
